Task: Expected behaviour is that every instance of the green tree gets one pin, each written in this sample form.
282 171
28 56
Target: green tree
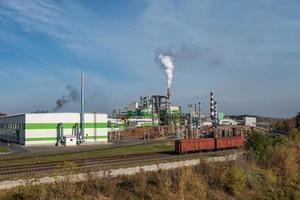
258 143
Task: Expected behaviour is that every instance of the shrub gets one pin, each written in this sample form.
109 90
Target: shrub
279 140
284 162
258 143
191 185
211 172
234 179
294 134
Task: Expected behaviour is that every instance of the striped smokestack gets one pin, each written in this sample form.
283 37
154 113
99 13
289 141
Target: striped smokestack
216 112
212 106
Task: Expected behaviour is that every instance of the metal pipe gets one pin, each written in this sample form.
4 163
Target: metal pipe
77 132
60 133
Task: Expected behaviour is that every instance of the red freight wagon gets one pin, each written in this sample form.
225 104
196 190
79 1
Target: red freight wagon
229 142
191 145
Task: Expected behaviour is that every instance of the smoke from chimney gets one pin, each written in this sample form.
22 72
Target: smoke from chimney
72 95
167 62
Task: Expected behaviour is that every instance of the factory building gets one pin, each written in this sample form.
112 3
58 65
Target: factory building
53 128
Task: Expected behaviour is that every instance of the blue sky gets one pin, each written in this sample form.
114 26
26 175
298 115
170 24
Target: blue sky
247 52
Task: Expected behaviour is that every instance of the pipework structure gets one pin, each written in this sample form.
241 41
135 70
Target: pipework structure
155 108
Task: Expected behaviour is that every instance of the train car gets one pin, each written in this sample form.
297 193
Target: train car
193 145
200 144
229 142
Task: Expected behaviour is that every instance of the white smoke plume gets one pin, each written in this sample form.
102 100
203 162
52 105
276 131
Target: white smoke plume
167 62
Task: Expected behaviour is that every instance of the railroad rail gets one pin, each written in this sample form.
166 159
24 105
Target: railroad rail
78 164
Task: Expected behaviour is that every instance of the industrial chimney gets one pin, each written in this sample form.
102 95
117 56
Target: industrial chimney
82 108
216 112
212 106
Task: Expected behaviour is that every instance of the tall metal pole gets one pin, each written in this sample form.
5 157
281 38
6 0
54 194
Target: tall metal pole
199 112
82 106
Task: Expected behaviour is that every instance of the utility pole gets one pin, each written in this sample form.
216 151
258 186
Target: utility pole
8 142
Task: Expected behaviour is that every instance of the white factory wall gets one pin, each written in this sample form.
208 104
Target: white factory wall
142 122
41 128
250 121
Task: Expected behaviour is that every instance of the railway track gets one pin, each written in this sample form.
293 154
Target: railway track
89 164
13 170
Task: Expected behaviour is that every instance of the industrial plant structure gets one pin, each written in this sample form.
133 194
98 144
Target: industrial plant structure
53 128
150 110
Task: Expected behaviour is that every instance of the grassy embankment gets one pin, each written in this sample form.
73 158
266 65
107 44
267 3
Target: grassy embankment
270 171
3 149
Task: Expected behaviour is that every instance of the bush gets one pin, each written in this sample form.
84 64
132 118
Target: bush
258 143
284 161
294 134
278 140
234 179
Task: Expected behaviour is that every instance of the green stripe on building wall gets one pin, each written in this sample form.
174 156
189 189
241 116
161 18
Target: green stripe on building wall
150 124
29 126
40 139
54 138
